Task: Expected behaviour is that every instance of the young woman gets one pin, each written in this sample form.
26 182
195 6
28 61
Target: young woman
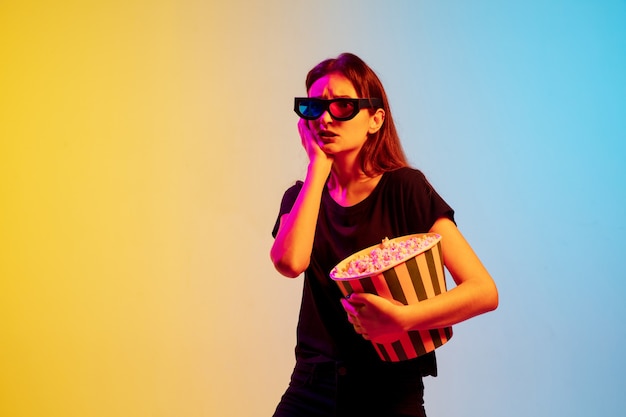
358 190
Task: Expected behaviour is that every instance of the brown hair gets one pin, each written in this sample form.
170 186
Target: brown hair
382 151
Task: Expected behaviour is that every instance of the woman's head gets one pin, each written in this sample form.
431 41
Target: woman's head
382 151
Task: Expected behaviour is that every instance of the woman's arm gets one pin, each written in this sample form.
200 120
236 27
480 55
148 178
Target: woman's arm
291 251
474 294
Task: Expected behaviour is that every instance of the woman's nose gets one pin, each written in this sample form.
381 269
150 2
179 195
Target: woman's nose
325 117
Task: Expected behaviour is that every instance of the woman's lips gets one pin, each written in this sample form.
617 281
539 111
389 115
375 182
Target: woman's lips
326 134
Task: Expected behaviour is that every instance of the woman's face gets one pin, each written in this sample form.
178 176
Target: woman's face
338 137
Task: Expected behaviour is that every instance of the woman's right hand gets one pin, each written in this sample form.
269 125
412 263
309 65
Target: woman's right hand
311 144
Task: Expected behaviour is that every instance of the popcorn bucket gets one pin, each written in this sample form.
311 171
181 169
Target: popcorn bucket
407 276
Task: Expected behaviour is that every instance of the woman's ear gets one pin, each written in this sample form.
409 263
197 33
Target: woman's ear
376 121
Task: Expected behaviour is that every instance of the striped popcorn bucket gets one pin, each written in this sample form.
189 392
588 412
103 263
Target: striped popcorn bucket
408 281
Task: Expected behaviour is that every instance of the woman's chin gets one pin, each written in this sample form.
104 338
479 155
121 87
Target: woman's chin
329 148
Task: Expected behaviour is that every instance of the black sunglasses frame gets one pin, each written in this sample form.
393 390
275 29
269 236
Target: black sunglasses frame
359 103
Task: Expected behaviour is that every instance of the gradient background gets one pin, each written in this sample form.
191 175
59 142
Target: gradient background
145 146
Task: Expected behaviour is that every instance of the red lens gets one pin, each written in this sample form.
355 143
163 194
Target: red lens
341 108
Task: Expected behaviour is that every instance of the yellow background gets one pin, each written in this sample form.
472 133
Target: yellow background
135 214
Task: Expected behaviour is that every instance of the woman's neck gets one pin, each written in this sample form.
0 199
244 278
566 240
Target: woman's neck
349 186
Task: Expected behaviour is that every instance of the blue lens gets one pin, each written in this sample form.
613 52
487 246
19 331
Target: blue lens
310 108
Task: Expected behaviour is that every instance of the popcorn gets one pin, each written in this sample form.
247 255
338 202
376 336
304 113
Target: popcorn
387 254
366 271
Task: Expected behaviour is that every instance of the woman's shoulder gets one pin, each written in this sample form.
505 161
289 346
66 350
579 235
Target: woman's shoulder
296 186
407 180
291 193
406 174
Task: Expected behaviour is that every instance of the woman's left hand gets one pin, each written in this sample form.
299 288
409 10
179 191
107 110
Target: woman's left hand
374 317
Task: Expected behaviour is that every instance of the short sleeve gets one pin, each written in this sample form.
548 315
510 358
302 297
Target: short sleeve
435 206
417 201
289 199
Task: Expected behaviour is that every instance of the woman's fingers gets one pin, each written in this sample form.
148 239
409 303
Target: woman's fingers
352 311
351 307
372 316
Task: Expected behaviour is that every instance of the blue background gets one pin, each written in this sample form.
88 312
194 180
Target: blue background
516 111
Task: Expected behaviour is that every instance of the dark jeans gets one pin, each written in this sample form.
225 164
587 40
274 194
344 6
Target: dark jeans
332 389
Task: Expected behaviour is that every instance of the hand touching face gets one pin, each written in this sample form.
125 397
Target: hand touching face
345 137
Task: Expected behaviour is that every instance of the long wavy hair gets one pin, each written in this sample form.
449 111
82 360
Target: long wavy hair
382 151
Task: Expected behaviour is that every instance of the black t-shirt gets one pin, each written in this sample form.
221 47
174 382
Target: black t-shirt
403 202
